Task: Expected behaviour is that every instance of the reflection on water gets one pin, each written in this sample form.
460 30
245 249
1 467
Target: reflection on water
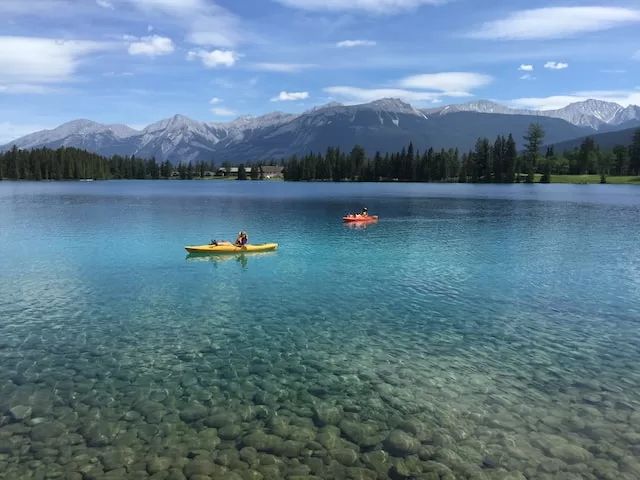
360 225
224 257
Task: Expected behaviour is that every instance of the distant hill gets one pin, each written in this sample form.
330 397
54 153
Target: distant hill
386 125
605 141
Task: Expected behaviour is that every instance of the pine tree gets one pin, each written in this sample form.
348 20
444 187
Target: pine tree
634 153
534 138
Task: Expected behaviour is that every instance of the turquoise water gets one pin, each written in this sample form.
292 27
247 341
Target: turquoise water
474 332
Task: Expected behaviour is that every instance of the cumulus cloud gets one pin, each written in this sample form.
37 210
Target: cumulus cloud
355 43
215 58
152 46
104 4
527 76
372 6
556 65
223 112
621 97
555 22
215 101
290 96
525 68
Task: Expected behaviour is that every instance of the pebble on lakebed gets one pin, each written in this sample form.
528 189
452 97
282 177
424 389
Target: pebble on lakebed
302 406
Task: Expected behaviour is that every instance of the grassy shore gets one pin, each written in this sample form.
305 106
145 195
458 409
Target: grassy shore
588 179
230 177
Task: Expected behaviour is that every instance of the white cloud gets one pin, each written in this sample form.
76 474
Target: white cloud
282 67
372 6
413 88
290 96
208 24
152 46
363 95
636 56
605 70
621 97
556 65
214 58
223 112
446 81
555 22
525 68
527 76
104 4
215 101
355 43
34 60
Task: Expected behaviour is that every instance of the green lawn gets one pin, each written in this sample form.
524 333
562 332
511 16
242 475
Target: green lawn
585 179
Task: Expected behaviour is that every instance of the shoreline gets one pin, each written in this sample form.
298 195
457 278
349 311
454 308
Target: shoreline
558 180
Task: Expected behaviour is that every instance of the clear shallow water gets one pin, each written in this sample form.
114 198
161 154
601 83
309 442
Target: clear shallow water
475 331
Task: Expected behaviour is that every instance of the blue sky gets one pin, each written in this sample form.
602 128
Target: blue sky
138 61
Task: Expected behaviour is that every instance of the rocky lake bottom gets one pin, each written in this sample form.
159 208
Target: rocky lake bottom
307 401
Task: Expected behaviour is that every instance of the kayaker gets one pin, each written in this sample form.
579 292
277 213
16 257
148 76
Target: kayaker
242 239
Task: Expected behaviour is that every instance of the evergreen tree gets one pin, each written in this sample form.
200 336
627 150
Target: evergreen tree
620 160
634 153
587 156
534 139
242 173
546 167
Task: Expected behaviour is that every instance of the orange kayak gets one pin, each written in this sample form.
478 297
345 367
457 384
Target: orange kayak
360 218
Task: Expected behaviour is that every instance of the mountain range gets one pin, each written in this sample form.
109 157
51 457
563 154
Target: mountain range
385 125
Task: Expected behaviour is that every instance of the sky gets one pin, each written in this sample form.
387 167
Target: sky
135 62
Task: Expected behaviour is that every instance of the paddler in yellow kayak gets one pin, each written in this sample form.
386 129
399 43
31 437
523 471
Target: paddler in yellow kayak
241 241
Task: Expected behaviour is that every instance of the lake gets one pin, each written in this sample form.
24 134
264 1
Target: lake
474 331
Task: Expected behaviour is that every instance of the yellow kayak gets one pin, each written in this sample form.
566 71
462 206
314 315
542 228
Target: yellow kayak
230 248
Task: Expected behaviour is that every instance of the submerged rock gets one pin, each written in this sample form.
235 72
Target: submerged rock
571 454
193 413
20 412
47 430
328 415
401 444
261 441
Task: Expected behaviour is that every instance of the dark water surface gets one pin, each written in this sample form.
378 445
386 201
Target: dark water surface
474 332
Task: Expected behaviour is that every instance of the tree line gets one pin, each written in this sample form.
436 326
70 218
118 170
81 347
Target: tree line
498 161
69 163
